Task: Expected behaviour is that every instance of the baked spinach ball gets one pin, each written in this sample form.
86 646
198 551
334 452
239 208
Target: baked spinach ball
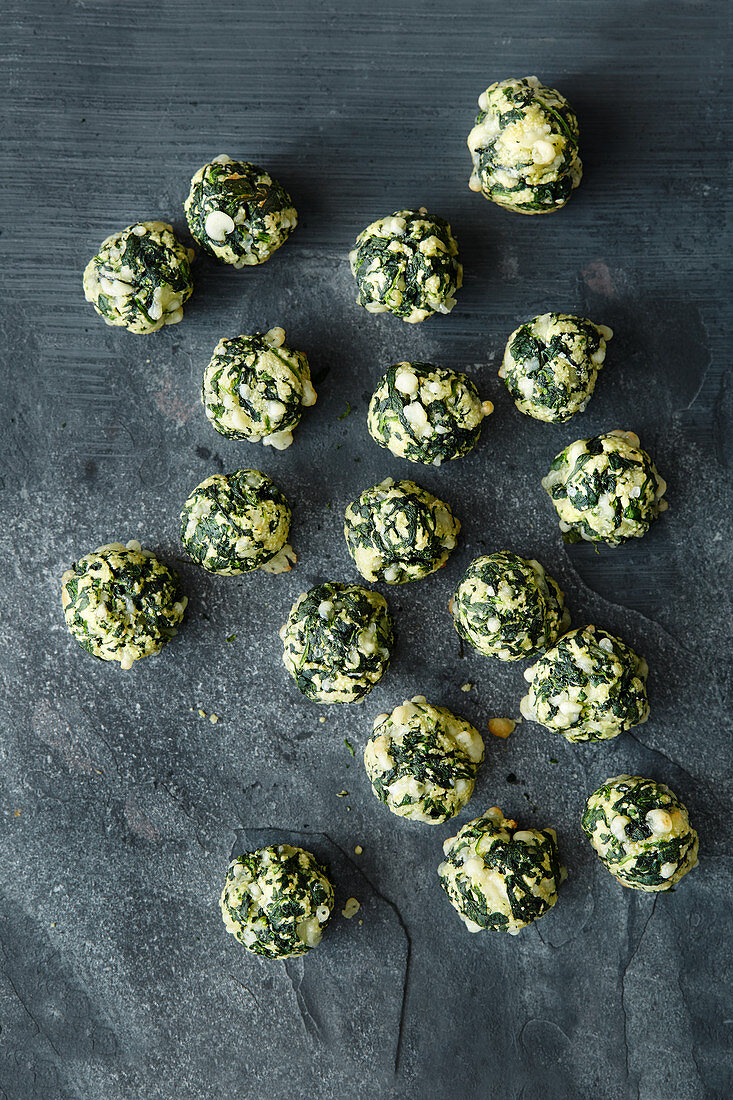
277 901
255 388
337 642
498 877
407 264
237 212
426 413
508 607
641 833
605 489
524 147
551 364
140 278
590 686
234 523
422 761
397 532
121 603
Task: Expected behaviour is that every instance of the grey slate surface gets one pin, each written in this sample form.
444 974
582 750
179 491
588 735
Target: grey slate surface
120 805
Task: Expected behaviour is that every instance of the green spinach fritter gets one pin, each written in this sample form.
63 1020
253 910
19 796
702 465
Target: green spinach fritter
508 607
422 761
551 364
397 532
121 603
277 901
237 212
255 388
590 686
235 523
641 832
407 264
524 147
605 489
426 413
140 278
337 642
500 878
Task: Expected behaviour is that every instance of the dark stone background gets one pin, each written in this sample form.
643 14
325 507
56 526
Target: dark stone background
120 805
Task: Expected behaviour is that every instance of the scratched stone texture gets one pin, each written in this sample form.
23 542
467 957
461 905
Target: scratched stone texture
120 804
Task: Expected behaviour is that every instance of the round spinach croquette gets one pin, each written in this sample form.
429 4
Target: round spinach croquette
641 832
422 761
237 212
235 523
121 603
524 147
337 642
141 278
397 532
407 264
426 413
605 489
498 877
277 901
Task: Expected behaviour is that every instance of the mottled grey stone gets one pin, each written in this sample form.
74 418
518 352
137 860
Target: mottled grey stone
120 804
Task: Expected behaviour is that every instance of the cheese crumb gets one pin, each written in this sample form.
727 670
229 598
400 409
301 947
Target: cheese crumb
351 908
218 225
358 849
466 687
202 713
213 718
501 727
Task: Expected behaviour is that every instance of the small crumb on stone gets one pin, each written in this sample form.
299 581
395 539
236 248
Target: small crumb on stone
351 908
202 713
213 718
17 813
466 687
358 849
322 719
342 794
501 727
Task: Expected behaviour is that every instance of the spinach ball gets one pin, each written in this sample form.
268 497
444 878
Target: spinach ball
500 878
407 264
337 642
277 901
235 523
397 532
508 607
590 686
551 364
524 147
255 388
605 489
426 413
422 761
641 832
140 278
237 212
121 603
